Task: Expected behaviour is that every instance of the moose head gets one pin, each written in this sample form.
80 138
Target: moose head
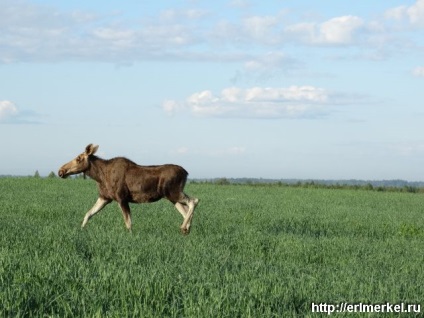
80 164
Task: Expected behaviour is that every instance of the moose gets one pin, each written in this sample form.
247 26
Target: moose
124 181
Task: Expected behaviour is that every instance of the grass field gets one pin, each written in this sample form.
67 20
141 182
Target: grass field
254 251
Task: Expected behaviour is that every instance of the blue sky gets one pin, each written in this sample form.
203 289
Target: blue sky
234 88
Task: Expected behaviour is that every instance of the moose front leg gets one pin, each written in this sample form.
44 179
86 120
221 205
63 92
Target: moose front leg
100 204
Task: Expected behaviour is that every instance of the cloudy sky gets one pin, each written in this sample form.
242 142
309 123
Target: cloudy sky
228 88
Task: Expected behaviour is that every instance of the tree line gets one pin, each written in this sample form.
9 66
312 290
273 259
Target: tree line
353 184
380 186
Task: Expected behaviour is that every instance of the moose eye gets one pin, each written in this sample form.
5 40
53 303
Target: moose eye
78 159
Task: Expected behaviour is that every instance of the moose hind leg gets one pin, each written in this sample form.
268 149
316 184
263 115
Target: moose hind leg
100 204
183 209
126 213
191 204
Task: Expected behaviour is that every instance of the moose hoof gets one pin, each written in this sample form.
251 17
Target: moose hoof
185 231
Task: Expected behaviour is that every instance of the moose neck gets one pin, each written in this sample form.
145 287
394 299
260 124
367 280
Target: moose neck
96 169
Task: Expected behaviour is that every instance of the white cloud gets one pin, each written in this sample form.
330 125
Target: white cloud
7 110
264 63
256 102
339 30
397 13
241 4
268 65
418 71
33 32
170 106
414 14
11 114
336 31
113 34
301 32
254 29
39 33
261 28
176 15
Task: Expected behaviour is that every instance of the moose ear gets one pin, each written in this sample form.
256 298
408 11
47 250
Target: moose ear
91 150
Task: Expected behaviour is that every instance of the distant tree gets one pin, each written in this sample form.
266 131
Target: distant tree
368 186
36 174
222 181
409 189
51 175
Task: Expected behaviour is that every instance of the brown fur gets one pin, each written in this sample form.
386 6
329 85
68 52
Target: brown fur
126 182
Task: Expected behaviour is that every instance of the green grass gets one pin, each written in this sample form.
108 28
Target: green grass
254 251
